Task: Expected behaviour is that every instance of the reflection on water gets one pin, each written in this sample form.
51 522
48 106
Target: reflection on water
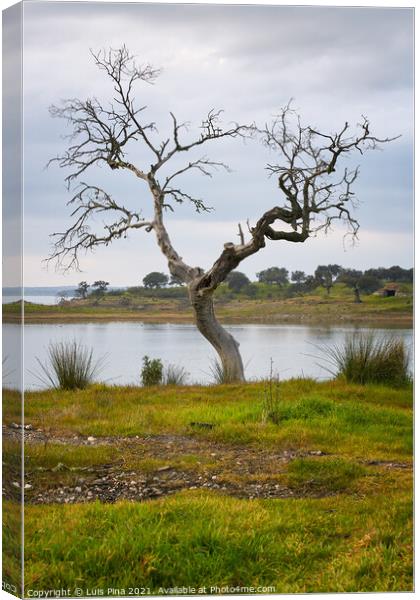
292 347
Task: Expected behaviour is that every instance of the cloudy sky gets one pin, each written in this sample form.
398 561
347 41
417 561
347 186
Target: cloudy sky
337 63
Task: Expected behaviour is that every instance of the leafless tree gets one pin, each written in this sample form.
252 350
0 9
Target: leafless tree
314 191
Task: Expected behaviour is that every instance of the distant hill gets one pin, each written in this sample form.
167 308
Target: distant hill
39 291
69 290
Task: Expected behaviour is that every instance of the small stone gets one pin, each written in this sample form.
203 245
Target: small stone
213 454
28 486
16 484
91 438
59 467
161 469
214 477
14 425
78 489
133 482
28 427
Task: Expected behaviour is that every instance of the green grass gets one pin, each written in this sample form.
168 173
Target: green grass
50 456
12 547
367 421
350 530
201 539
324 475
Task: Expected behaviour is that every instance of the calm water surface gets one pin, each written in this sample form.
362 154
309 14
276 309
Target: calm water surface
46 300
292 348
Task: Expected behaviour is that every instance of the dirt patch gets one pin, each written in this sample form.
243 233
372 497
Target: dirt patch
111 485
237 470
185 463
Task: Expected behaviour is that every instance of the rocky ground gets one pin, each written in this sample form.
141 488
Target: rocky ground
240 471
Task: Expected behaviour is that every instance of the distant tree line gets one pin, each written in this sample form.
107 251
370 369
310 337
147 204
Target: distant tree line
276 278
298 282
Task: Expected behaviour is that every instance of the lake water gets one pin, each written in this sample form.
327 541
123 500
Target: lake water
46 300
292 348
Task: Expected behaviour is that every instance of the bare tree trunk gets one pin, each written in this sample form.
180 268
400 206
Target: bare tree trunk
225 344
357 297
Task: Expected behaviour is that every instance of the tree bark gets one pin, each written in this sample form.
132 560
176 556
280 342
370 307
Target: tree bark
223 342
357 297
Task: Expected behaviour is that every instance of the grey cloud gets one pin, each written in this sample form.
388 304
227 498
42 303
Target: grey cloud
337 62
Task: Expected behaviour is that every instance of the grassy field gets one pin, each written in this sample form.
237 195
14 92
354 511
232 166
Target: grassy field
319 502
202 540
316 307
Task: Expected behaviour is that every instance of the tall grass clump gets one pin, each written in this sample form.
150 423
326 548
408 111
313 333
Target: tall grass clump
272 406
219 374
4 371
175 375
70 366
365 358
152 371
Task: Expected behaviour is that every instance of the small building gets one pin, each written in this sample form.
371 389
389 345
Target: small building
389 290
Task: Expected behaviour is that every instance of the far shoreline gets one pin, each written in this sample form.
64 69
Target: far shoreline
383 321
317 309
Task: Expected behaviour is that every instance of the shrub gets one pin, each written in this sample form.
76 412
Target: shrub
175 375
125 301
365 358
152 371
70 366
